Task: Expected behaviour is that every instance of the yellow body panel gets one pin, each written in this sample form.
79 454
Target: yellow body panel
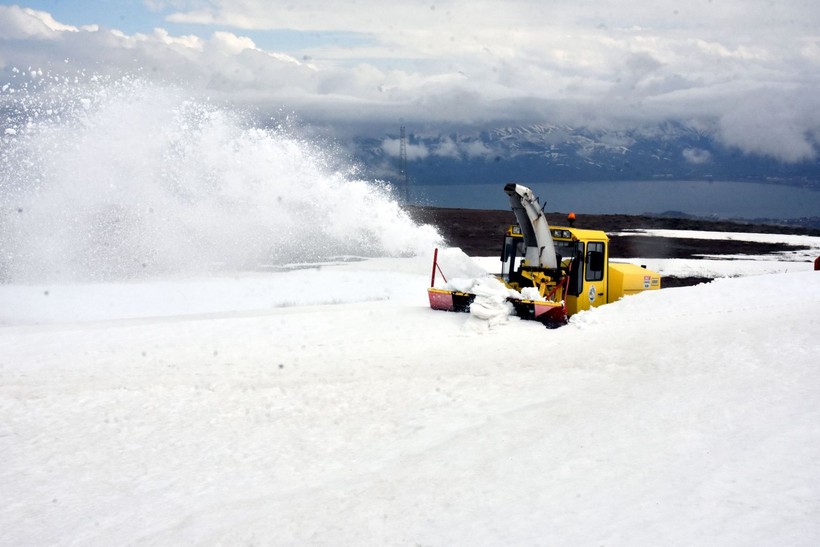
619 280
626 279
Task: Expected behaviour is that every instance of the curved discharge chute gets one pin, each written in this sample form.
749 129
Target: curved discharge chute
534 226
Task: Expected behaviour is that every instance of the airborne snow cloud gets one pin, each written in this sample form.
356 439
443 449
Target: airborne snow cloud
748 69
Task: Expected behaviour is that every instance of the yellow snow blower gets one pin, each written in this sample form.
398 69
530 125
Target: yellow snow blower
552 272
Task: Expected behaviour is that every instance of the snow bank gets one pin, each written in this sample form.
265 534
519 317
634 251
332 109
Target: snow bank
456 268
302 285
678 417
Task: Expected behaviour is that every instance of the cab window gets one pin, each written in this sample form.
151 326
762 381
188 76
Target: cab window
595 261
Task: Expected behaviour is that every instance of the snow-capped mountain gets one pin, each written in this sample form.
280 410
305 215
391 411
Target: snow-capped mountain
546 152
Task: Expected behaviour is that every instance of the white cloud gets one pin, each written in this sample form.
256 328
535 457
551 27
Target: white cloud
447 148
772 124
231 44
609 62
190 41
476 149
392 147
697 156
18 23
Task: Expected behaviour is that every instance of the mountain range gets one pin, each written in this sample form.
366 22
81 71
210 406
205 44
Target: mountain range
548 152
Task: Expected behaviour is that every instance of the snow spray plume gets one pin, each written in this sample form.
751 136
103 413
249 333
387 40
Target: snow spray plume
114 179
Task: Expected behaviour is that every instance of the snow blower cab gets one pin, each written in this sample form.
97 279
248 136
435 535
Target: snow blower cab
552 272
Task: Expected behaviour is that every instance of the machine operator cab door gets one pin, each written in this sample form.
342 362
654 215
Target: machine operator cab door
595 262
512 253
588 280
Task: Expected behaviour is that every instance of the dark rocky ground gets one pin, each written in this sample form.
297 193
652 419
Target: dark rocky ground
479 232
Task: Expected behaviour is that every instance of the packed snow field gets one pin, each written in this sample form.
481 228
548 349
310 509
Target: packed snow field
267 409
216 337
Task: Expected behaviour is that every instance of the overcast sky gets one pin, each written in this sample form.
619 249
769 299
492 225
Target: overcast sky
746 70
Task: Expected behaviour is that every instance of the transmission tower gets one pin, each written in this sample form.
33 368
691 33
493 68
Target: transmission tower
405 180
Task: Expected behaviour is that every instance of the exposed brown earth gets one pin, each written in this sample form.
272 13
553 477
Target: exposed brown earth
478 232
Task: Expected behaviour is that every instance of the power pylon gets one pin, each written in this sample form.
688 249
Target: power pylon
405 180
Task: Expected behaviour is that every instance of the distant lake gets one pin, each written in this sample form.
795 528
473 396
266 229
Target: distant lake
720 199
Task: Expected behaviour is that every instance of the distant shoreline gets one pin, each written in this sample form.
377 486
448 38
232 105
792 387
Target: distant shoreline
745 202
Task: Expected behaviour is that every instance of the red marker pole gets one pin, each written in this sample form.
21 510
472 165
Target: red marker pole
435 259
817 264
